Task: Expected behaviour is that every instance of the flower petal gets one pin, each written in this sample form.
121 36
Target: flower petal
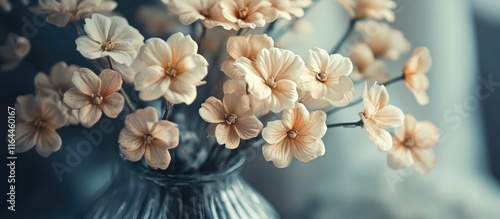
152 83
89 48
26 135
157 157
226 134
76 99
379 136
248 127
283 96
279 153
316 125
212 110
399 157
424 160
167 133
112 105
87 82
426 134
142 121
155 52
129 140
274 132
307 148
89 115
111 81
27 107
296 118
181 93
389 117
133 155
48 141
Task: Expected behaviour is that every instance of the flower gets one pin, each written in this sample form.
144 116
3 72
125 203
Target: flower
414 73
173 69
94 95
365 64
413 144
144 135
244 46
327 77
13 51
112 37
378 115
208 11
61 12
287 8
298 134
383 40
57 84
271 78
38 118
248 13
375 9
128 71
234 118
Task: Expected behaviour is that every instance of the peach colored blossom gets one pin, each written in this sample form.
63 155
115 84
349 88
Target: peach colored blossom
414 73
109 36
375 9
61 12
298 134
13 51
56 84
248 13
93 95
173 69
233 117
288 8
383 40
365 65
208 11
327 76
37 120
413 144
144 135
272 77
379 115
244 46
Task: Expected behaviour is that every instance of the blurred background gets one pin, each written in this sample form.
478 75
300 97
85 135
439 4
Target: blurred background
352 179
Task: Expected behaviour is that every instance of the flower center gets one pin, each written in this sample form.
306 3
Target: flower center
230 118
205 12
409 142
96 99
322 77
243 13
170 70
107 46
270 82
39 123
147 139
292 133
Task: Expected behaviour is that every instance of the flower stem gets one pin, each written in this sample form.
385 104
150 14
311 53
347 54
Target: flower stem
347 124
130 105
110 63
342 40
360 99
168 107
78 29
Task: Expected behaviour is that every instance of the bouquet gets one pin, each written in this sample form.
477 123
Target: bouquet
215 79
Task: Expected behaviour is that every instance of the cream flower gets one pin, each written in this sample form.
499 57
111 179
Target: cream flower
61 12
13 51
144 135
94 95
128 71
248 13
298 134
383 40
38 118
271 78
413 144
234 118
414 73
378 115
57 84
208 11
173 69
375 9
244 46
287 8
112 37
365 64
327 76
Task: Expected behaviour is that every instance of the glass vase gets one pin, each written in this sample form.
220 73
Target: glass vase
141 192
